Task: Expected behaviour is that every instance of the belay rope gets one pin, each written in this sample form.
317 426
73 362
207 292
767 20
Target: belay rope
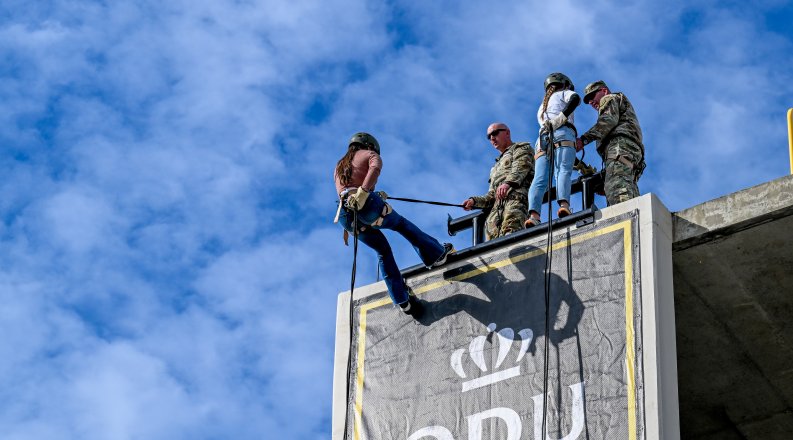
548 263
429 202
352 287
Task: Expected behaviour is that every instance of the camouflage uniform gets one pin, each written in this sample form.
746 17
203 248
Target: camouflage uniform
619 145
515 167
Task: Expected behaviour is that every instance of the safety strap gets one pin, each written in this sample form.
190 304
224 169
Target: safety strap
346 235
387 209
572 127
338 213
342 195
564 144
558 144
637 169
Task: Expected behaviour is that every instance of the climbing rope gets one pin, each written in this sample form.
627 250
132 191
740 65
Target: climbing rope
548 264
352 288
429 202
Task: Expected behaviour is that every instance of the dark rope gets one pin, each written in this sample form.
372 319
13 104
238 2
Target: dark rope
429 202
548 264
352 287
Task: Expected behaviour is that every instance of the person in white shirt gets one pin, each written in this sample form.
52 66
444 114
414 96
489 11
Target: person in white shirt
554 115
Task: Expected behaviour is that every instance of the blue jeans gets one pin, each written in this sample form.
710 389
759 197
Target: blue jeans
564 158
428 248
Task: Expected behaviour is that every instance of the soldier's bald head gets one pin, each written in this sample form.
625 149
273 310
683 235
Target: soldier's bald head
498 134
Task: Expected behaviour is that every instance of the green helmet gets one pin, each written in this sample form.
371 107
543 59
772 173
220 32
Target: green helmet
366 140
559 78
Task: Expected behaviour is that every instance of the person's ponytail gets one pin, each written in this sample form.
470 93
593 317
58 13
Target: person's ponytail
344 166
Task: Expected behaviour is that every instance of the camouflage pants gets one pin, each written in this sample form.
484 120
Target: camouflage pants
621 182
507 217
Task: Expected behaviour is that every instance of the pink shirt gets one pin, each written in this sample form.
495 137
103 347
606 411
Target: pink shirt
366 166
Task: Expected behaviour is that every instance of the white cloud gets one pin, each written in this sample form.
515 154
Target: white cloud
169 265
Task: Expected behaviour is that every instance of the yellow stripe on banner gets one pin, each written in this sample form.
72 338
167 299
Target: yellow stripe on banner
630 353
519 258
629 330
359 377
361 359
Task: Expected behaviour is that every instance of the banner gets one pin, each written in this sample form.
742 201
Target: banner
475 365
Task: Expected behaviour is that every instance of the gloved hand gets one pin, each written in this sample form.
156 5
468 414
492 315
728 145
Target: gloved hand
583 168
558 121
383 195
547 126
357 200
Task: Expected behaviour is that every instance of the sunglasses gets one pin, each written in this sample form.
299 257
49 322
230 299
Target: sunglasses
495 132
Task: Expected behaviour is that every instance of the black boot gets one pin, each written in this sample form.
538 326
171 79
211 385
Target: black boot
448 248
412 307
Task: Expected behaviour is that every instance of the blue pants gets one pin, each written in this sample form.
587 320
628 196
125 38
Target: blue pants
564 158
428 248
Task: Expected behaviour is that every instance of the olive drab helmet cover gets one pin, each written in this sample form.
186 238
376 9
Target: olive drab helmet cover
593 88
559 78
366 140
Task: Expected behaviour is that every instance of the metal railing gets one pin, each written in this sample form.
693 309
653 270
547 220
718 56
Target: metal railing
586 185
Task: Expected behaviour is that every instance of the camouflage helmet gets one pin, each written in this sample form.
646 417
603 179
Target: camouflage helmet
591 89
559 78
366 140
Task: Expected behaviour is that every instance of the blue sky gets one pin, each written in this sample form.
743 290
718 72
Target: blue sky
169 268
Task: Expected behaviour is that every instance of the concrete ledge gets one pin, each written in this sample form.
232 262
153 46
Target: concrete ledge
732 213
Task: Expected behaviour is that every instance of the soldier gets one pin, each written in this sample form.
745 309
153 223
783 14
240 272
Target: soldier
510 177
619 140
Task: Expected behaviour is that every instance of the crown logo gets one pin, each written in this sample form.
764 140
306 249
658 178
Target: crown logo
476 350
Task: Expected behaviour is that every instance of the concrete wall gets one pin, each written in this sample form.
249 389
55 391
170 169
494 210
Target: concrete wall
660 350
733 274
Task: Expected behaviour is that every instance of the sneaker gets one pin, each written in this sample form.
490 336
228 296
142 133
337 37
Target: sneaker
448 248
412 307
531 222
563 212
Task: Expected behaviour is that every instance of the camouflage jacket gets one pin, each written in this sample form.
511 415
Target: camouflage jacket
616 120
515 167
